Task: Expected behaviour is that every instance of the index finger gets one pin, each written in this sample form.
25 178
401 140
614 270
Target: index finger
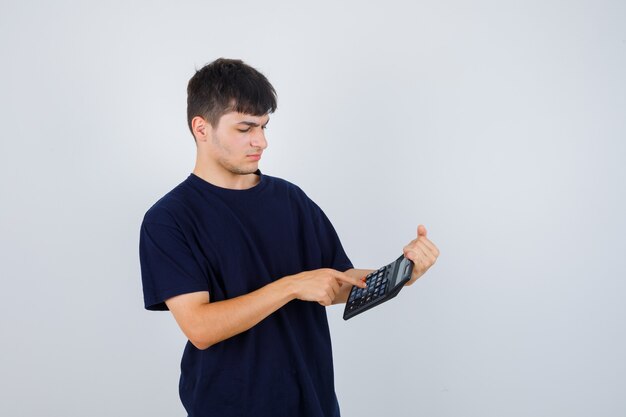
347 278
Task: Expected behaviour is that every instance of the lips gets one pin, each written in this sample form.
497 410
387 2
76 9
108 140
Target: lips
254 157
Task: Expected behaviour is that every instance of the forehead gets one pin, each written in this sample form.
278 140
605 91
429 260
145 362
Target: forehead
236 117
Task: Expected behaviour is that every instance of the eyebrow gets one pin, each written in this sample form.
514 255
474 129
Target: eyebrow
252 123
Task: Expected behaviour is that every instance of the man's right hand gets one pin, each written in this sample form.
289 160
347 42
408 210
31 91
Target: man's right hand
321 285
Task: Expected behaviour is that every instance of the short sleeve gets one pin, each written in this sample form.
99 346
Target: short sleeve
333 254
168 265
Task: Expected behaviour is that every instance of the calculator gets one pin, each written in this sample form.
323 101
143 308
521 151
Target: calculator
382 285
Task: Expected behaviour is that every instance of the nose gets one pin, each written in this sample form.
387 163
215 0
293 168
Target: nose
258 140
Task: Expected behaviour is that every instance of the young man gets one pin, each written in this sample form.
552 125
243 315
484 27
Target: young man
247 262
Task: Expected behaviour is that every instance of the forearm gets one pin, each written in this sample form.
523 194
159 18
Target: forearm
344 291
213 322
206 323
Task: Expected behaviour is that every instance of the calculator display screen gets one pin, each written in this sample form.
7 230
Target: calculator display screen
403 270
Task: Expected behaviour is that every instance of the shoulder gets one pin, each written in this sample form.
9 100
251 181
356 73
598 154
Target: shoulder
171 206
282 185
294 193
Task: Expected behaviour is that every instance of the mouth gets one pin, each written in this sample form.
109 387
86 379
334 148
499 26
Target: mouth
254 157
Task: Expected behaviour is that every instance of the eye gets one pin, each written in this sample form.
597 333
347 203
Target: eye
244 131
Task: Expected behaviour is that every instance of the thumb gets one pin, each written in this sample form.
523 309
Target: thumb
421 230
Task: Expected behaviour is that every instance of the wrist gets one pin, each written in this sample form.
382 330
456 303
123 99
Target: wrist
287 287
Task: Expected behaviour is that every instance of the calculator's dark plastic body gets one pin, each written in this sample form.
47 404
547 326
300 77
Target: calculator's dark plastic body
382 285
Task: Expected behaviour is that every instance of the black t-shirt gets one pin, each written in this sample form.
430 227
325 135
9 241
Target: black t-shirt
200 237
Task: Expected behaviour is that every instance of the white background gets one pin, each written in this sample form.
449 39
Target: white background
500 125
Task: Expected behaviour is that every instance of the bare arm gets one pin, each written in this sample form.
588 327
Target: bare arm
206 323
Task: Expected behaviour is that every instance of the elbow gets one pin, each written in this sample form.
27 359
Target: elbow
200 341
200 345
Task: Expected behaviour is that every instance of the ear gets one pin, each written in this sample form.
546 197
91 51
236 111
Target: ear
201 129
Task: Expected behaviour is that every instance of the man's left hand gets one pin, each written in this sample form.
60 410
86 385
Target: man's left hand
422 252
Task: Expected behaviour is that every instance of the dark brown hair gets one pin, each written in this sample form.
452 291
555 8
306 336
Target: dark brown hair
227 85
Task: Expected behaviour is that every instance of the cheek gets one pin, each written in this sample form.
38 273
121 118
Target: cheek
226 148
241 145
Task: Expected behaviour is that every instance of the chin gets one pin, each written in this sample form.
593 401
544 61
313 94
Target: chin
244 171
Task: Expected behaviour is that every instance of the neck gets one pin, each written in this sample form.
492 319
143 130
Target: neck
225 179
